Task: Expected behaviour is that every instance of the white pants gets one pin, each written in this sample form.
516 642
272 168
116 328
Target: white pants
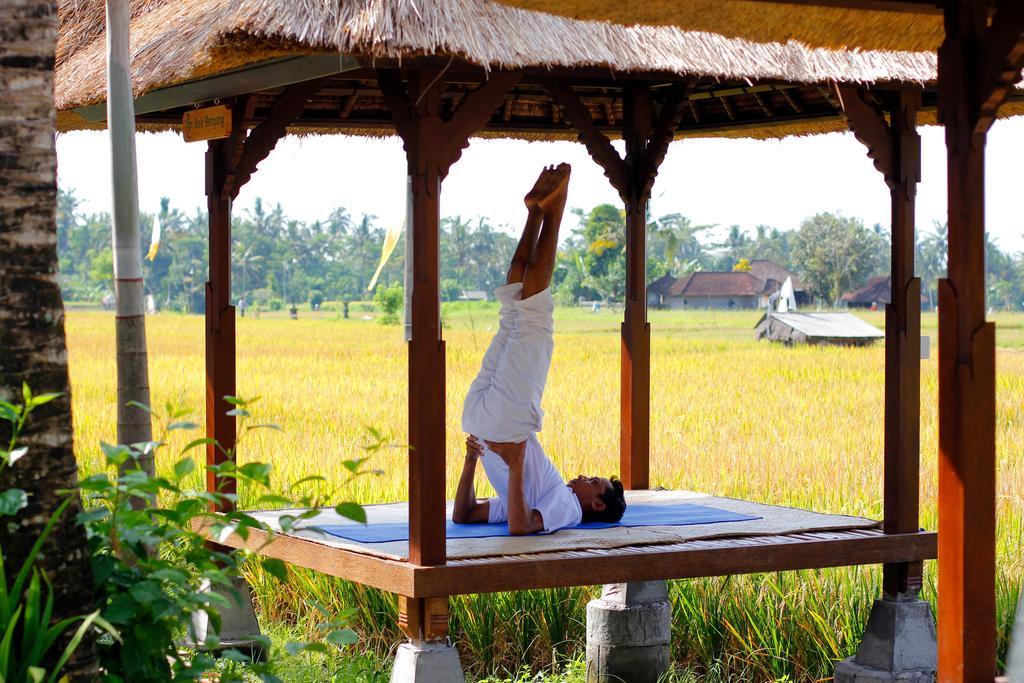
503 403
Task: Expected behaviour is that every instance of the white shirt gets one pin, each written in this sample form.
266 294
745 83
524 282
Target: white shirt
543 488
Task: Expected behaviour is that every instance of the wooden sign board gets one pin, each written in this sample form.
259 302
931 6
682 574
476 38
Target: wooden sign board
208 123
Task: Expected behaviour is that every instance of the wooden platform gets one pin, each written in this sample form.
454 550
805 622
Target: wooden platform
715 557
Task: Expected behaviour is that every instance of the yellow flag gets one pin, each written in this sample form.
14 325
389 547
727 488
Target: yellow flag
390 241
154 244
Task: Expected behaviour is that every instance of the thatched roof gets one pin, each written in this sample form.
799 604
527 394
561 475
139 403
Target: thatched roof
830 27
175 41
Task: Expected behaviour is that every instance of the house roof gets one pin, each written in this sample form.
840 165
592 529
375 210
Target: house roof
833 27
877 290
765 269
828 325
662 285
746 86
717 284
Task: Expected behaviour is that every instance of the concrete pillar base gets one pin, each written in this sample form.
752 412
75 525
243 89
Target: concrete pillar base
628 633
238 624
899 644
427 663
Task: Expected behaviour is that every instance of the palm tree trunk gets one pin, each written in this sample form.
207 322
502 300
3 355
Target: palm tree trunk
133 424
32 315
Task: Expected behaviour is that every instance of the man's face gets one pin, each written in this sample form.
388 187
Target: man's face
589 490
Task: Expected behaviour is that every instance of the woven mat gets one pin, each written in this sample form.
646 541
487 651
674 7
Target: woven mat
773 520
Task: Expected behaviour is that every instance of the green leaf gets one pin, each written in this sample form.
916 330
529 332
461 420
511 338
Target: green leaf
256 471
146 592
306 480
36 674
353 511
276 568
115 455
12 501
42 399
266 425
345 636
182 425
238 412
184 467
197 442
235 401
140 406
9 411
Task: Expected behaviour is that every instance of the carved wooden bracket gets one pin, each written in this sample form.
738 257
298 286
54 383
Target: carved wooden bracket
889 131
984 62
629 182
423 619
471 114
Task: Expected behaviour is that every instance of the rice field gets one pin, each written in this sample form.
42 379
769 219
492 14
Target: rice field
731 416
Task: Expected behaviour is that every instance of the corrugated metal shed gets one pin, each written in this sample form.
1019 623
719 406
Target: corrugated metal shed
817 328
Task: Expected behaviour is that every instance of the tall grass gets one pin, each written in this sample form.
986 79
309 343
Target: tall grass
730 416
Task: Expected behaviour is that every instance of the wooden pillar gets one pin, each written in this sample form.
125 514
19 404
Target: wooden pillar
432 145
220 322
230 163
903 348
426 348
633 178
635 411
966 581
423 619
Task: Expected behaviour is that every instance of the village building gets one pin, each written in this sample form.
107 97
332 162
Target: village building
875 294
748 289
842 329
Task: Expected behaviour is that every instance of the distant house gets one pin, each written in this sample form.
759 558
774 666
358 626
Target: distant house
877 292
658 290
736 289
473 295
817 328
733 290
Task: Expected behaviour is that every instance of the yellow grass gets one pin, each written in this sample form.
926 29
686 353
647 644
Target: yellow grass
731 416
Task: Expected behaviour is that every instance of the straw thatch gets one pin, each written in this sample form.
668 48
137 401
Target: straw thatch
828 27
179 40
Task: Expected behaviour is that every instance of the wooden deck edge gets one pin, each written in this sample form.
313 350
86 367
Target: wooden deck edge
694 559
389 575
657 563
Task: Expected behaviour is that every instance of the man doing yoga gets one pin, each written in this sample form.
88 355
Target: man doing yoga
502 413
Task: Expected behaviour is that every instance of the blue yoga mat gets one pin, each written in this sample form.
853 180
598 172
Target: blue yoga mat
639 514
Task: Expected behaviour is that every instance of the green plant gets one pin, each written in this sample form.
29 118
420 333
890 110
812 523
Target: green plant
27 635
155 570
390 300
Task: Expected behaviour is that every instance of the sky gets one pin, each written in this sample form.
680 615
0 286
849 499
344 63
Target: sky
713 181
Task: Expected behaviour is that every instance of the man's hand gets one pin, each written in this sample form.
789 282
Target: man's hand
512 453
474 449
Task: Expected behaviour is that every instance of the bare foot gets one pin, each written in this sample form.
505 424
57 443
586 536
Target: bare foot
551 183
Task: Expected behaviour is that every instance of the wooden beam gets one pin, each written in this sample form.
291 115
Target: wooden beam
967 472
690 559
261 141
913 6
715 557
1004 59
597 144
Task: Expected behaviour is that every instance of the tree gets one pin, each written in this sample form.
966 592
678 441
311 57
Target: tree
133 422
673 246
931 259
834 253
32 315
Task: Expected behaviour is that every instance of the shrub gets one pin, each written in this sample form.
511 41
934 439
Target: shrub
390 301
